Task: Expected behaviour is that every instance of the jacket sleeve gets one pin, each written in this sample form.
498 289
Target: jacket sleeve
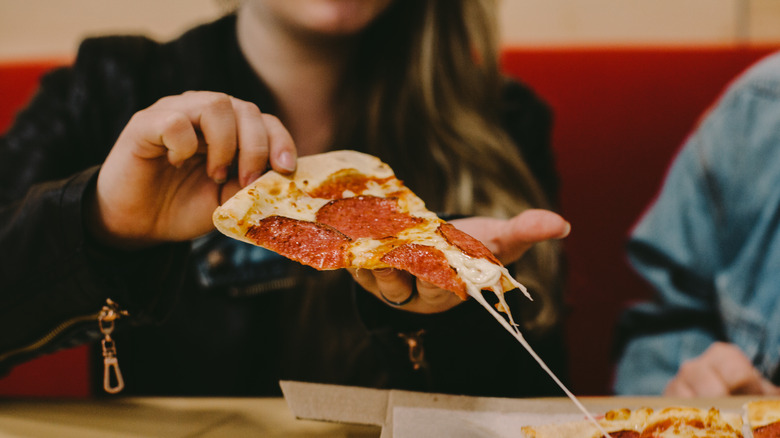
52 275
666 249
707 243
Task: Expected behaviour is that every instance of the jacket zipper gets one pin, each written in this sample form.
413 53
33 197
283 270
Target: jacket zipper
106 318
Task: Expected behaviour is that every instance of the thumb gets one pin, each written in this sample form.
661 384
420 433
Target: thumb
536 225
768 388
529 227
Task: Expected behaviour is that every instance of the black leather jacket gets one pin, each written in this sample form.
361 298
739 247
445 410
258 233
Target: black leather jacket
189 330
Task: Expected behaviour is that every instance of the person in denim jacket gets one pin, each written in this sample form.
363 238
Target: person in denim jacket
710 246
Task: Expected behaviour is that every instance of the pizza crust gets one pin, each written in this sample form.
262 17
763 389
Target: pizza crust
313 170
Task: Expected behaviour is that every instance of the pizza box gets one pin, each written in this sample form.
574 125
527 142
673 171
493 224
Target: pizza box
414 414
402 414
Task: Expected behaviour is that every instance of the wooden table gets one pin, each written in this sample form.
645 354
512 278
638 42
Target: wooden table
271 417
165 418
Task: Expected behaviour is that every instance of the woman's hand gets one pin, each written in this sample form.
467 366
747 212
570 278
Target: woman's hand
168 170
723 369
507 239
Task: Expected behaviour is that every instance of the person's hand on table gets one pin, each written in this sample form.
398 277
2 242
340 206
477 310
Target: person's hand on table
168 170
723 369
508 239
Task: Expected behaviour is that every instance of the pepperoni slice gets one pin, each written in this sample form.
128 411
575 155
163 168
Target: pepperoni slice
366 216
466 243
768 431
426 263
312 244
344 180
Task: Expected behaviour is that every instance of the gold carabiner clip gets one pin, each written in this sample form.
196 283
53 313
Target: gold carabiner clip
108 315
111 366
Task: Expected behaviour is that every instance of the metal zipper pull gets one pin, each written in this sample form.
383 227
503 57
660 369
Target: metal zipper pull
106 318
416 350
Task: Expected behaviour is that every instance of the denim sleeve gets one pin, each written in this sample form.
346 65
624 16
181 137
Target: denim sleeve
651 361
672 249
706 243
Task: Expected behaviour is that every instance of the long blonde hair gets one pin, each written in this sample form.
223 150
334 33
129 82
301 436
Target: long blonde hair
430 71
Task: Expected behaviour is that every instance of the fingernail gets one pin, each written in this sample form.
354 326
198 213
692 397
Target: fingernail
383 272
220 176
286 161
566 230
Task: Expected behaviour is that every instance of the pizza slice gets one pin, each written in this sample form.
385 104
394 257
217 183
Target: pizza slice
763 418
670 422
346 209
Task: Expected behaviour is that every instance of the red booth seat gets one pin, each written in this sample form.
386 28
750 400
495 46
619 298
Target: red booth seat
620 115
66 373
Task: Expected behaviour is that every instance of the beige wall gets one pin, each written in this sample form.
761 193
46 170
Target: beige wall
54 27
644 22
35 28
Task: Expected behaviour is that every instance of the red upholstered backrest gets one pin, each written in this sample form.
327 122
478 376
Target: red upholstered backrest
18 81
620 115
66 373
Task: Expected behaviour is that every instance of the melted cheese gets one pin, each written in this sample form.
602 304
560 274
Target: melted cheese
366 253
302 208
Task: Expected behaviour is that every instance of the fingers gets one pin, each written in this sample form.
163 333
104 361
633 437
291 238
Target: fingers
217 122
252 141
434 298
536 225
262 139
399 289
393 286
696 379
283 153
528 228
510 239
224 127
723 369
159 132
768 388
737 371
209 121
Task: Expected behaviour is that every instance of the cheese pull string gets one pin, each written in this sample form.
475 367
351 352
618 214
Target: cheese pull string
106 318
514 331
